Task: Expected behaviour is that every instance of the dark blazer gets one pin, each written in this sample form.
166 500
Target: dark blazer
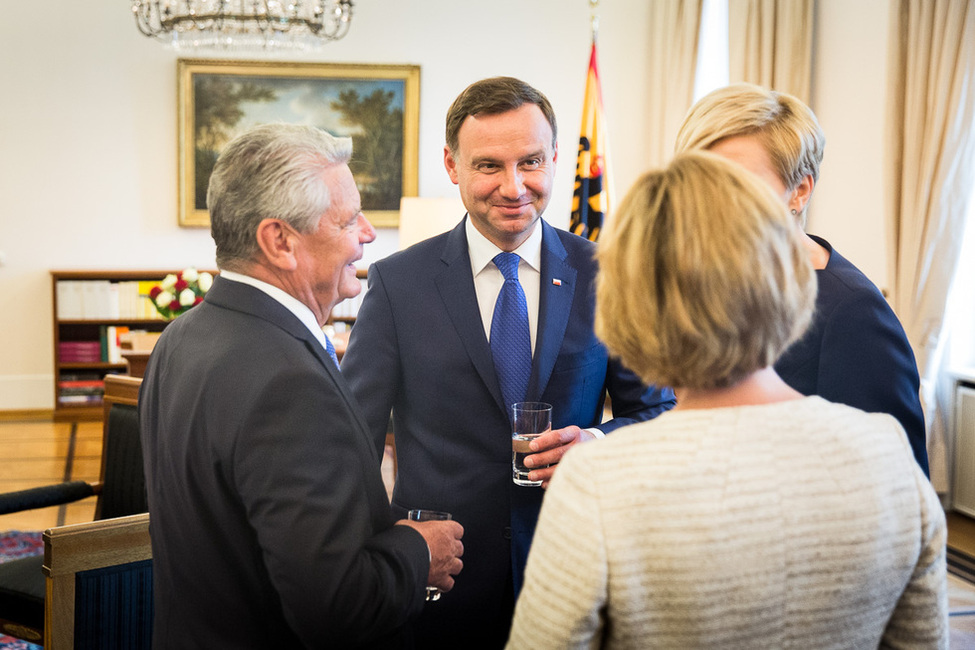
419 348
855 352
270 522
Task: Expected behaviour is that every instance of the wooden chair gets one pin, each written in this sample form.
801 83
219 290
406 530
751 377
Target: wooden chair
120 489
99 585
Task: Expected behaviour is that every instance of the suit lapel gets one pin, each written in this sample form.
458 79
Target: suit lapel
556 290
245 298
336 375
455 282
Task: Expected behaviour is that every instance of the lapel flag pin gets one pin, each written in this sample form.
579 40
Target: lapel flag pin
557 282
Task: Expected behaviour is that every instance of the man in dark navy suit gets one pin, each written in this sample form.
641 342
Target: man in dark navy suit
422 348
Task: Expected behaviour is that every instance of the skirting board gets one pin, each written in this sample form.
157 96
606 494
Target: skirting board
27 415
27 392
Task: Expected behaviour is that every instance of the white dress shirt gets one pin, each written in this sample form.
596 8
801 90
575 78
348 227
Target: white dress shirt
488 279
289 302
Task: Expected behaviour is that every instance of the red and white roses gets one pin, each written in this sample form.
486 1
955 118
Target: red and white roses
179 292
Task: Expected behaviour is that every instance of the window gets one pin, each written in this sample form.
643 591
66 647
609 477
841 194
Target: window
713 64
960 310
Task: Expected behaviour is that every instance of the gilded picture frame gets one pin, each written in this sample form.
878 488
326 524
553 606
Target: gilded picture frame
378 106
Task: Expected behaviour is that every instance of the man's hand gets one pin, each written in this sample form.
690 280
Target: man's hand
549 449
443 540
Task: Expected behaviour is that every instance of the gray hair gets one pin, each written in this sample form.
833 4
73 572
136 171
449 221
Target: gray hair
270 171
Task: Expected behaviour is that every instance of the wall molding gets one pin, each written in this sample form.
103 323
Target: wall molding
26 415
27 393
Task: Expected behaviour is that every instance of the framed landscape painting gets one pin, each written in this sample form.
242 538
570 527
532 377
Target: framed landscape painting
378 106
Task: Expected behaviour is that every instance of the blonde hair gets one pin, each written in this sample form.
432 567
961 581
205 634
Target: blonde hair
702 279
785 126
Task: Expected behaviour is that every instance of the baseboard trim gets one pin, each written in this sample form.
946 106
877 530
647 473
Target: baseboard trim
26 415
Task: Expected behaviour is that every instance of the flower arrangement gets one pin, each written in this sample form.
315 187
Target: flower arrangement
179 292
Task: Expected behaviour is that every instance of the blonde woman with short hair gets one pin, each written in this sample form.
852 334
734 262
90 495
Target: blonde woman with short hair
750 516
855 351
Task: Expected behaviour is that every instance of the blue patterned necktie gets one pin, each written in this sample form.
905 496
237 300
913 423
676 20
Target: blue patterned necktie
331 352
510 338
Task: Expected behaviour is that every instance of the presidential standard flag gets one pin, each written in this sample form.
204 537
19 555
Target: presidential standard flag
590 200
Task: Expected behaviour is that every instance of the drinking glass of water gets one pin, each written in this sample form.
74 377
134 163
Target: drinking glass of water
429 515
530 420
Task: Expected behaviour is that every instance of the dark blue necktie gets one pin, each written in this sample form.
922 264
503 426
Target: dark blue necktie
510 338
331 352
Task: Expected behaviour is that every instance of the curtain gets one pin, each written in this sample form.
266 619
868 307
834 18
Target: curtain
770 43
931 136
674 29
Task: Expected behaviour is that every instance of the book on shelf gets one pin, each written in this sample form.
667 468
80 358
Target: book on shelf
107 349
92 390
147 311
81 383
69 300
79 351
81 358
105 300
80 400
80 388
81 376
111 347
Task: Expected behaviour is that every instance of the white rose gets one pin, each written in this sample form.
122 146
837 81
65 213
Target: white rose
206 281
164 298
168 282
190 275
187 297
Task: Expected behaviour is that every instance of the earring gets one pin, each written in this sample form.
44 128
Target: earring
794 212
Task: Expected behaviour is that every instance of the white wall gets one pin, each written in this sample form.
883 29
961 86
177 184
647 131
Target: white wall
88 132
850 99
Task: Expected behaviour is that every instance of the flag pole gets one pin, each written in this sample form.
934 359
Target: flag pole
594 18
591 192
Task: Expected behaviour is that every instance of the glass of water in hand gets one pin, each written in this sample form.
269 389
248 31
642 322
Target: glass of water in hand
429 515
529 420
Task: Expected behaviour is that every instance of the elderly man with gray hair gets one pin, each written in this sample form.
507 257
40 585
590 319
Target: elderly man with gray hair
271 526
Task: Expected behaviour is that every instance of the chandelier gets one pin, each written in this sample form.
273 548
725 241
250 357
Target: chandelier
244 24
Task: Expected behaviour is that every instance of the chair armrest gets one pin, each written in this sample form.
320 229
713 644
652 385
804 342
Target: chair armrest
47 495
87 595
96 544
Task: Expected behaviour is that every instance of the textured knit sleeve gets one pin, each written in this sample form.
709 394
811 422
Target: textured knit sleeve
920 619
561 604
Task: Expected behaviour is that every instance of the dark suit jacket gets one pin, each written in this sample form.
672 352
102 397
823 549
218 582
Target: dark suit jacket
855 352
270 523
419 348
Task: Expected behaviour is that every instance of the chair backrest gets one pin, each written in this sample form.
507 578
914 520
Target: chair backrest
99 585
123 490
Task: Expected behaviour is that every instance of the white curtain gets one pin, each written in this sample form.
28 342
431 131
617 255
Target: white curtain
770 43
674 29
931 167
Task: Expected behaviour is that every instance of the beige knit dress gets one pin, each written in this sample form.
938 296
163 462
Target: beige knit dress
801 524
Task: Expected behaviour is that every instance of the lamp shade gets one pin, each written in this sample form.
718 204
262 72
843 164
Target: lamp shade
421 218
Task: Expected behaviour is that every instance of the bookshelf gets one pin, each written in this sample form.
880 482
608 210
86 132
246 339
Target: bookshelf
89 306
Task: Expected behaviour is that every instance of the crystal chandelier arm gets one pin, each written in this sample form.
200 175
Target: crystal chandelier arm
232 23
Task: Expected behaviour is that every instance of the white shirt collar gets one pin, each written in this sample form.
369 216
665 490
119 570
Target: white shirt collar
482 250
301 311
